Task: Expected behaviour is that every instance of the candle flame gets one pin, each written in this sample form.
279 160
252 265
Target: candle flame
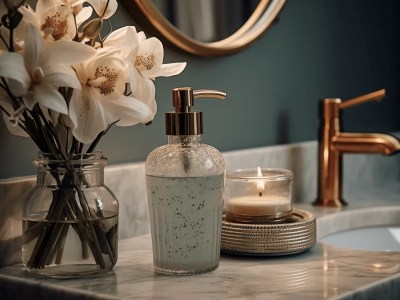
260 183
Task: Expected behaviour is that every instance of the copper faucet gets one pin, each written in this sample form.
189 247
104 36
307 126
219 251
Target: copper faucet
333 143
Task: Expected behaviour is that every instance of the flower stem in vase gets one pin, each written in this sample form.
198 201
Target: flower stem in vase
65 231
69 206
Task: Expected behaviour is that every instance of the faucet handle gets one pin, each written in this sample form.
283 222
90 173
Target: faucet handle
374 96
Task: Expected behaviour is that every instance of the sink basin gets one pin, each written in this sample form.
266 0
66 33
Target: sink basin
372 229
385 238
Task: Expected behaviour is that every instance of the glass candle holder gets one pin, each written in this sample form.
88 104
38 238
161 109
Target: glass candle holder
258 195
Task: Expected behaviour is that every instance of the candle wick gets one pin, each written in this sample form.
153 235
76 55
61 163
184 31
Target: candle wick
260 194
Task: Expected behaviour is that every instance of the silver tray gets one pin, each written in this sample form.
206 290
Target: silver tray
296 235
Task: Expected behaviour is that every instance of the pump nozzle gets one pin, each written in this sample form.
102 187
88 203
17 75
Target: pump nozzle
209 94
183 98
184 121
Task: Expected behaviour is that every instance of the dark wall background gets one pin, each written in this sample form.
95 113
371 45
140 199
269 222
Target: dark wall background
319 49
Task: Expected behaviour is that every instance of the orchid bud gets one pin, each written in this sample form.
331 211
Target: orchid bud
92 28
12 19
76 7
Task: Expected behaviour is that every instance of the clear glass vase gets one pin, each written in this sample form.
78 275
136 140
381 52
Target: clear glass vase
70 218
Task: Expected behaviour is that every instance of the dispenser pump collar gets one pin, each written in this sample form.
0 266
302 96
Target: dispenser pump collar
183 121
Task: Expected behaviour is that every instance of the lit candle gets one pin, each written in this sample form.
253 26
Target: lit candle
258 206
260 183
252 199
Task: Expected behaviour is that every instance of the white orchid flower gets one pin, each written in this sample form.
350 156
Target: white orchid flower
75 5
37 74
104 8
12 67
125 39
146 63
101 101
56 22
149 60
81 13
84 14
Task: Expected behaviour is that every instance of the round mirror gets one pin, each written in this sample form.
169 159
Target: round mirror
206 27
207 20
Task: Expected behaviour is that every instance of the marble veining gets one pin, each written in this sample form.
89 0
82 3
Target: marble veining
322 272
127 181
371 184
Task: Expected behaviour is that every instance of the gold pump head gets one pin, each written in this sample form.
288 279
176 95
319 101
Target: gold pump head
183 121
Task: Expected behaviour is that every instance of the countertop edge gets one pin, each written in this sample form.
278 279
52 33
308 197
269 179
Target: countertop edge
10 284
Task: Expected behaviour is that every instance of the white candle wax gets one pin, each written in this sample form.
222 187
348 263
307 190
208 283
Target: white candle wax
258 206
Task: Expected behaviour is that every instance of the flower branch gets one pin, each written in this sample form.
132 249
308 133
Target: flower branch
64 86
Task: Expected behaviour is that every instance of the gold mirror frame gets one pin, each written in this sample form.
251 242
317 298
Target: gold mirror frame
148 16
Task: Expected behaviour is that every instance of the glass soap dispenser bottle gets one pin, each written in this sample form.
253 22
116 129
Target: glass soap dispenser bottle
185 184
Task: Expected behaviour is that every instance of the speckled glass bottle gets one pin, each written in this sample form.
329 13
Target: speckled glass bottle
185 183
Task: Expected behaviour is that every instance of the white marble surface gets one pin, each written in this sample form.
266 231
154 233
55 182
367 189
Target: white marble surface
127 182
370 181
322 272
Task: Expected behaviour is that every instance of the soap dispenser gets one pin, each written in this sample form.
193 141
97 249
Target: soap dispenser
185 184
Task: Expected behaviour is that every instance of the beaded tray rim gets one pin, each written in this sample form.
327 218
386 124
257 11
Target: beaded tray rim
270 239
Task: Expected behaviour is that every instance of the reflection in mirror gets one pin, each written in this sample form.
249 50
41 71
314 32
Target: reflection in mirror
247 19
207 20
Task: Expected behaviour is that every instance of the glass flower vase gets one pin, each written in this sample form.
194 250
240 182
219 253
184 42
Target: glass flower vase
70 218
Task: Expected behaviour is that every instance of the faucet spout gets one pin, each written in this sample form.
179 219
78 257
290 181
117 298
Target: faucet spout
333 142
346 142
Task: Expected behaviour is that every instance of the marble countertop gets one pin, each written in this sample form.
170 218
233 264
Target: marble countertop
371 186
322 272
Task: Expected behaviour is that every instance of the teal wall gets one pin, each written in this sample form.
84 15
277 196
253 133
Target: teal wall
319 49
